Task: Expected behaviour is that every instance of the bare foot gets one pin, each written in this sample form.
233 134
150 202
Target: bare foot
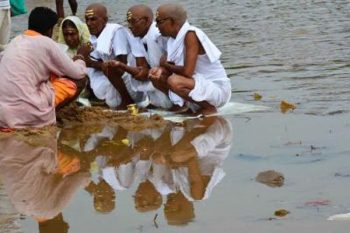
208 111
178 109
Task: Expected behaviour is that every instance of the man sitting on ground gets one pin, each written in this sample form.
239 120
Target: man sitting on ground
147 47
31 75
193 62
108 42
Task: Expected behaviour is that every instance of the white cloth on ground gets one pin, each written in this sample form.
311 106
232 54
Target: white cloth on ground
208 66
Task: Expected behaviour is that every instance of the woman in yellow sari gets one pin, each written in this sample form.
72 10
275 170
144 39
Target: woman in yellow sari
73 33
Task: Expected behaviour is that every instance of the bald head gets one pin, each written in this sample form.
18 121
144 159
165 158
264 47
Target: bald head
141 10
96 18
96 8
174 11
140 19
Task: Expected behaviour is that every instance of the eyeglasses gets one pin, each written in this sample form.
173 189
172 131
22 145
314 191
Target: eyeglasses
161 21
133 21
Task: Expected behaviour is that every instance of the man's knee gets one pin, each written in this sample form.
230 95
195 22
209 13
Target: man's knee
178 83
174 82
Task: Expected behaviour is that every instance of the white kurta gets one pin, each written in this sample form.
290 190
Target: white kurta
155 49
111 43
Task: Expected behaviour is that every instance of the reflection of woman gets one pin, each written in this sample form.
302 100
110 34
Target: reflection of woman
73 33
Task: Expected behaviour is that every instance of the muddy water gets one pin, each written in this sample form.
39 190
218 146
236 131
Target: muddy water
292 50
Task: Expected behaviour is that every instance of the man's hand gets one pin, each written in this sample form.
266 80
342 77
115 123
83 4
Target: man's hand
108 67
85 50
155 73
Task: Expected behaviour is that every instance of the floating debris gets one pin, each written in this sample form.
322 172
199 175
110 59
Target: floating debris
322 202
281 212
257 96
285 106
271 178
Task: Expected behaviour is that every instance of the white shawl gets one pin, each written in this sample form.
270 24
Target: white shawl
103 43
176 47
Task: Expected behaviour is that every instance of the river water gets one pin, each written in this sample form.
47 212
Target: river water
293 50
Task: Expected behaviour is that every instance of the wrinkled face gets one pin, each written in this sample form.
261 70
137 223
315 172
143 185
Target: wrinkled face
137 23
164 23
95 21
71 37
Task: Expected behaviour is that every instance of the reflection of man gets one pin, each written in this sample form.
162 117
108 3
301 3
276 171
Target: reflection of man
147 46
199 155
178 210
109 42
38 183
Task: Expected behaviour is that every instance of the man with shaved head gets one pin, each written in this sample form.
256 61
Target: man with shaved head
197 78
147 47
108 42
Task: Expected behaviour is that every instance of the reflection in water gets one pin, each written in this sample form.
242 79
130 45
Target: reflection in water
176 164
172 166
39 181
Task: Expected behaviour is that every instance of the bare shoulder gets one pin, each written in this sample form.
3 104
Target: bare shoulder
191 39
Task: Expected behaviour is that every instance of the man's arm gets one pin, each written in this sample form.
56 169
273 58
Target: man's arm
140 72
192 48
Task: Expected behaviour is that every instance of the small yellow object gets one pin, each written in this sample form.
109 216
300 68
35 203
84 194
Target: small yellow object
281 212
285 106
125 141
257 96
132 109
93 167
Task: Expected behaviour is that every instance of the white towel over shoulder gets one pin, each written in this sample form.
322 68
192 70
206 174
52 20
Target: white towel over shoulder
176 47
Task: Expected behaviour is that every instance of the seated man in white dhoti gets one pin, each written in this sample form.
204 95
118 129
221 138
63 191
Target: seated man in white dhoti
147 47
108 42
193 62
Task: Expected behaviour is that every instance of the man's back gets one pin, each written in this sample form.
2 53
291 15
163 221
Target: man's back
27 96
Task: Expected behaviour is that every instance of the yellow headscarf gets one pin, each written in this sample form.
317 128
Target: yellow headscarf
84 34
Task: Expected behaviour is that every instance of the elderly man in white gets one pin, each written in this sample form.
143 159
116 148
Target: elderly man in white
108 42
147 47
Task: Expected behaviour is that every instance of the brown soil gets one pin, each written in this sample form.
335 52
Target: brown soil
73 114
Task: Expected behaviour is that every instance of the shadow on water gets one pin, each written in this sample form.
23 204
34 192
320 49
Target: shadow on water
163 170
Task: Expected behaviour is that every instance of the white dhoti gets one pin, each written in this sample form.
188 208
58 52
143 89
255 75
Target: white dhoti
211 81
151 94
216 93
104 90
